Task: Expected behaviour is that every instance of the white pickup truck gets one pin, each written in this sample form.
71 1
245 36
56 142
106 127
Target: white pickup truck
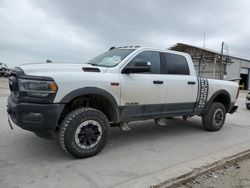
78 103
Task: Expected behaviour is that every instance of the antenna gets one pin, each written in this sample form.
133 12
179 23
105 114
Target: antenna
221 59
204 40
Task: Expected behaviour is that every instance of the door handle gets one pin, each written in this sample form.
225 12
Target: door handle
158 82
191 82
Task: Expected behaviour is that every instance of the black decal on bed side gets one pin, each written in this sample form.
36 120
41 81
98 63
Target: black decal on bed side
203 93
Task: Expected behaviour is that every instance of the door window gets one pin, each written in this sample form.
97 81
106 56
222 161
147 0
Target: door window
175 64
148 56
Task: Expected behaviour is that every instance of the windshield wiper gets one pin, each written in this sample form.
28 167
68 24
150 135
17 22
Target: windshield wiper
93 64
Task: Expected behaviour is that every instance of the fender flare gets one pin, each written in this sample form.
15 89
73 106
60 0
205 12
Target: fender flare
216 94
97 91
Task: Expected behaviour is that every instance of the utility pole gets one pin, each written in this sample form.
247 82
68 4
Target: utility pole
221 60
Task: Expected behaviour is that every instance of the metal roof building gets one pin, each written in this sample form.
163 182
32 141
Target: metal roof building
211 64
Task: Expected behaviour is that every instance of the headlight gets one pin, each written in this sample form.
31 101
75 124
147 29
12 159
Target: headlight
37 88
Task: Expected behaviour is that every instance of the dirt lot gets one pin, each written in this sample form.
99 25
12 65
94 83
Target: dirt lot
236 175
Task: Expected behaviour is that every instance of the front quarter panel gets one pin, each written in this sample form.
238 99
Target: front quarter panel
67 83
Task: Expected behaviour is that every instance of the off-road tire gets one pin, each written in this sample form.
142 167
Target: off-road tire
68 128
209 120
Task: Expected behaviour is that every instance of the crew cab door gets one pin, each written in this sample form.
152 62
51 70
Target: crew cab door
181 87
141 92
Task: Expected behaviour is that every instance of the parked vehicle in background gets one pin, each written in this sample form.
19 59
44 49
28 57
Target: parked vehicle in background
248 100
80 102
3 69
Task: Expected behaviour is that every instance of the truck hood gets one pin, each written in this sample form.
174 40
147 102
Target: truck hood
50 69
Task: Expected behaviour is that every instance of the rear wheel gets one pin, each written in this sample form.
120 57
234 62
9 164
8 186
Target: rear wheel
248 106
84 132
214 119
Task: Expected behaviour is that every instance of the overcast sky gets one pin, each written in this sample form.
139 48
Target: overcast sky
75 31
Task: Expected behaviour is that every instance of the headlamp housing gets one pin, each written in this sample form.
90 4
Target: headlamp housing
37 88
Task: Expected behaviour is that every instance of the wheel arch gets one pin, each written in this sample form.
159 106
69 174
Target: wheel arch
219 96
94 91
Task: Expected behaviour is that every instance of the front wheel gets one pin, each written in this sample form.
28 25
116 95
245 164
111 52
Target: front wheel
84 132
214 119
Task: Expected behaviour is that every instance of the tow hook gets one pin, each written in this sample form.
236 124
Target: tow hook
9 110
10 124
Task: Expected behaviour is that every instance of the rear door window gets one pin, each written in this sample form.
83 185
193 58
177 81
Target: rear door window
175 64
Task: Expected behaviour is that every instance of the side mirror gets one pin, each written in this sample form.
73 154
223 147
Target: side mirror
139 67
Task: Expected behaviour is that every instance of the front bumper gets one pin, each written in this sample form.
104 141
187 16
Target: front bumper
38 118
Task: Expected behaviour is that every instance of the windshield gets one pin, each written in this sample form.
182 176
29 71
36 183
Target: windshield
110 58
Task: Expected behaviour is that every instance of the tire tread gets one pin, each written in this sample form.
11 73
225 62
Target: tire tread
207 118
65 125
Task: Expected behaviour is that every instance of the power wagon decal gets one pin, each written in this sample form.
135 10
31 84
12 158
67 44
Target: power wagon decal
203 93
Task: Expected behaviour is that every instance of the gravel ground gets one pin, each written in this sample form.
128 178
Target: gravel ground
236 175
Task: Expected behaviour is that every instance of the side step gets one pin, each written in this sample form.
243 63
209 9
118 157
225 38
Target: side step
161 121
124 126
